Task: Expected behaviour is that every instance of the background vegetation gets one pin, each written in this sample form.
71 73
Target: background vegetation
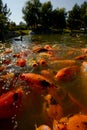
42 18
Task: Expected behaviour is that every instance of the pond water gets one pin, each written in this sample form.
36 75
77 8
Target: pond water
58 52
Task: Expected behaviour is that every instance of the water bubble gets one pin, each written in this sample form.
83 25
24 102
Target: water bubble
15 125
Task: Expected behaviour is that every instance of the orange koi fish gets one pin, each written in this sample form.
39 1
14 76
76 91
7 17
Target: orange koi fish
18 55
42 62
21 62
48 47
7 76
49 74
81 57
67 73
74 122
10 102
52 107
39 49
34 64
42 127
2 68
7 51
35 80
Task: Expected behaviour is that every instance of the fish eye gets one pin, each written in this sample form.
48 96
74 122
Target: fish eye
15 96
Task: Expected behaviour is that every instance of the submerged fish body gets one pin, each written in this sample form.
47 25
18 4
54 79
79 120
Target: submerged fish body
10 102
35 80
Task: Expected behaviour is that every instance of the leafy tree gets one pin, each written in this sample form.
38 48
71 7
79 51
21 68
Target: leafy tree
22 26
4 15
12 26
46 14
31 12
84 15
40 16
59 18
74 18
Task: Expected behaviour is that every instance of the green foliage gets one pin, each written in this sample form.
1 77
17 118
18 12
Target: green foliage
74 19
38 15
59 18
46 14
4 14
31 12
84 15
78 17
43 15
12 26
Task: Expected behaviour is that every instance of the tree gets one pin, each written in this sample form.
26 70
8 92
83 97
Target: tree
31 12
74 18
84 15
4 15
59 18
42 17
12 26
22 26
46 14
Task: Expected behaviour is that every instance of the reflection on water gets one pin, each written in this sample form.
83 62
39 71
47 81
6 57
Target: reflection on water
64 53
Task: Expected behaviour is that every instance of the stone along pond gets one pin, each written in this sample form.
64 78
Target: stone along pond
50 72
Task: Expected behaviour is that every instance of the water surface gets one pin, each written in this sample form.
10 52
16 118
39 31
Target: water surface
65 47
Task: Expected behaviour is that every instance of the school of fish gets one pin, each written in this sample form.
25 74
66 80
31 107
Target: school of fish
43 69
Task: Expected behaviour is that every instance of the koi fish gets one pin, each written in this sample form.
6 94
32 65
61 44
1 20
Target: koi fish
42 62
7 76
57 63
49 74
7 51
52 107
81 57
10 102
42 127
21 62
39 49
67 73
34 64
35 80
6 61
74 122
48 47
2 68
18 55
84 66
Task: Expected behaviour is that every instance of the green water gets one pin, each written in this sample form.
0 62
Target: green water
67 48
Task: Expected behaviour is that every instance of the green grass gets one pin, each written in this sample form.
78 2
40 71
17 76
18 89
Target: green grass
22 32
